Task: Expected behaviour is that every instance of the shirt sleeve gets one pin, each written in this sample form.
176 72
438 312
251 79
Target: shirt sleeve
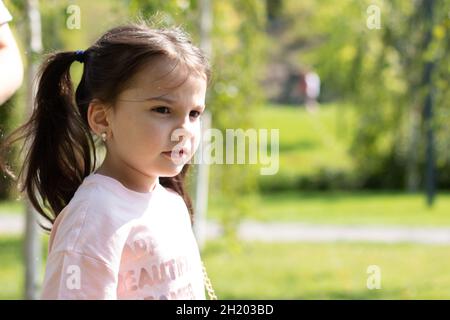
5 16
74 276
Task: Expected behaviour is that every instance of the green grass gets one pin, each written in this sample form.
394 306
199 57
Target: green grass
328 271
309 141
12 207
350 208
295 271
12 270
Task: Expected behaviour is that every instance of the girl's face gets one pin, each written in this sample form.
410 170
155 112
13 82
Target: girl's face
150 116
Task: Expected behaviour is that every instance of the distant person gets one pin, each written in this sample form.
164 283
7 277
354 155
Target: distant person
11 68
301 87
312 88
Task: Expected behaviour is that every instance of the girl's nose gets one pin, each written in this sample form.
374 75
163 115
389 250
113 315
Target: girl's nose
180 134
185 130
188 126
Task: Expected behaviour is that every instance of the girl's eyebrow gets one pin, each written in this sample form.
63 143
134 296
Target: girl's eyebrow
168 100
160 98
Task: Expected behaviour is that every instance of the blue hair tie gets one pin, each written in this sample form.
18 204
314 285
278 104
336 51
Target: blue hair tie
79 56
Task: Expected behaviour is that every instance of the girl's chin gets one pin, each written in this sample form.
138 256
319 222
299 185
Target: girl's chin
171 172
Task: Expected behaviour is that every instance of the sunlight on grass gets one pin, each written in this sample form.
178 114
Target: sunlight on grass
308 141
12 207
382 208
12 268
328 271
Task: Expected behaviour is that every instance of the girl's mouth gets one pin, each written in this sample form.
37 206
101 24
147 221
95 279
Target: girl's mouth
175 155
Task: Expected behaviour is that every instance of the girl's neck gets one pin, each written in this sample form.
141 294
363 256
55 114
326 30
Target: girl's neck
128 176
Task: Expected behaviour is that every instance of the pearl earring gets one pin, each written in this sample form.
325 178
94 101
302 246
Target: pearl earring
103 136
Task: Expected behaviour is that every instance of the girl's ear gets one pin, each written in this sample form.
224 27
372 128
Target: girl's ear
97 117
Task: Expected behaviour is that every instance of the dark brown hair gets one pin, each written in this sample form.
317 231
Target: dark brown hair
61 146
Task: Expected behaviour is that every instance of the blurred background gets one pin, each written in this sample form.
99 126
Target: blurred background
358 89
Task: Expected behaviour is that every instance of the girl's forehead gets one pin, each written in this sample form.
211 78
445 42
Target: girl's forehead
165 77
157 70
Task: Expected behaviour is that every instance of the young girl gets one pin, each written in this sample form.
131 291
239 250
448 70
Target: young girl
122 231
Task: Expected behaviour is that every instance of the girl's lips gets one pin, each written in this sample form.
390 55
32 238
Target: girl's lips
182 150
182 153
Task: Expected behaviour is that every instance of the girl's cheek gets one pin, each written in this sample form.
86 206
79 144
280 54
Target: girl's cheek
197 133
195 141
156 127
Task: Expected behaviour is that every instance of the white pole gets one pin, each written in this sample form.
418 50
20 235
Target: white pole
205 26
202 184
32 236
202 181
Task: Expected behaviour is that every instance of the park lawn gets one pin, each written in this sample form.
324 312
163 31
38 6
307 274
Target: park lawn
310 142
296 270
328 128
12 270
12 207
355 208
343 208
329 271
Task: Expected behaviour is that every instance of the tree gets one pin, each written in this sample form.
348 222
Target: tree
389 74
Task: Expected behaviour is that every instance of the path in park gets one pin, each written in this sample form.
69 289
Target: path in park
299 232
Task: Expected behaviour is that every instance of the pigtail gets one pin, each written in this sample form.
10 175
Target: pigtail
60 147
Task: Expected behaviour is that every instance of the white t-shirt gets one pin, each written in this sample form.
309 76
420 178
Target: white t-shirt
111 242
5 16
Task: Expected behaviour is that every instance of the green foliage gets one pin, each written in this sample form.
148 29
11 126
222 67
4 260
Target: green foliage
390 136
382 72
6 119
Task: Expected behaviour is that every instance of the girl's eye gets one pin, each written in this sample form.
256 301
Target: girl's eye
166 110
162 110
195 114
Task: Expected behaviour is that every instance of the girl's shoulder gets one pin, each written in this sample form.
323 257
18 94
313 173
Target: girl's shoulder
171 193
93 223
176 206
